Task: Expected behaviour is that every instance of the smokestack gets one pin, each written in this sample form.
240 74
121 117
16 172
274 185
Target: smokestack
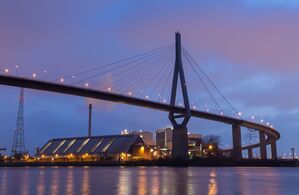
89 120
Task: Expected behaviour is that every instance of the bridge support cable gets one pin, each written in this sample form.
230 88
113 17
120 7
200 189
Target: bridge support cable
208 82
203 83
158 87
136 80
124 78
203 91
217 100
197 96
146 82
180 136
125 60
123 67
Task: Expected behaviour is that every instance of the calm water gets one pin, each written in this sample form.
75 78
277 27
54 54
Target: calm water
149 180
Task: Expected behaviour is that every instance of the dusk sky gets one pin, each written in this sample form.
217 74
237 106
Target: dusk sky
249 48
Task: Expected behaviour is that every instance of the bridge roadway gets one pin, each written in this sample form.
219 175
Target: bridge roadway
271 134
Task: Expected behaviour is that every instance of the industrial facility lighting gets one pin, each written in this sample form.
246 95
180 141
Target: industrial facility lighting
44 149
82 145
108 145
59 146
70 144
96 146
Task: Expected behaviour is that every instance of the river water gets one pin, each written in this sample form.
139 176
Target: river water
149 180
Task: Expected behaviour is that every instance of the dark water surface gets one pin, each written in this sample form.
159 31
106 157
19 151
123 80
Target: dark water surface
149 180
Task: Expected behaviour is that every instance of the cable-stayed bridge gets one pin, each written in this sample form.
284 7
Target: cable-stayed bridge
166 79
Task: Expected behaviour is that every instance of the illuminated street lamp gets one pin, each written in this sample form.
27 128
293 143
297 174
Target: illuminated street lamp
17 67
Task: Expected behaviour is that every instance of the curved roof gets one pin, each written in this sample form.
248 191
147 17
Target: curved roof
108 145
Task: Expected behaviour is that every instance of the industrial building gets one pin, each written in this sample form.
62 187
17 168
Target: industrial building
194 144
164 138
96 148
147 136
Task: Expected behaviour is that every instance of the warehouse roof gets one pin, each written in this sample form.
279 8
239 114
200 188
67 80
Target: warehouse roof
113 144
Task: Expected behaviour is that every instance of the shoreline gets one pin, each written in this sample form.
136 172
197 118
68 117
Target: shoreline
164 163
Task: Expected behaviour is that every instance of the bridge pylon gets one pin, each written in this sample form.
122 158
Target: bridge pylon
180 134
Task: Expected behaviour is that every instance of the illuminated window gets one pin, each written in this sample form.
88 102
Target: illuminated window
44 149
70 144
96 146
83 144
59 146
108 145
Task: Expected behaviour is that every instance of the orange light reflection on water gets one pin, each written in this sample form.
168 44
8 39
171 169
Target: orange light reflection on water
213 188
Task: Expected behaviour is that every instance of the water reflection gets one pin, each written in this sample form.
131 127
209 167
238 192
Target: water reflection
3 186
54 182
142 181
155 182
41 183
85 181
70 181
24 188
213 190
124 181
149 180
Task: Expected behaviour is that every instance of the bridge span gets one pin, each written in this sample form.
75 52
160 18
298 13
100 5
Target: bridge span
268 135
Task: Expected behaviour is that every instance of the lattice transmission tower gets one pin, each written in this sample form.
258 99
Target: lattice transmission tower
18 146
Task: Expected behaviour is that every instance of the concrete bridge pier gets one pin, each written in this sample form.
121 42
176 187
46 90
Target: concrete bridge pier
250 156
273 150
180 143
237 147
263 146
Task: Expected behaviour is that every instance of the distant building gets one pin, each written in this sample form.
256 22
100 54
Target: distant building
147 136
194 144
124 132
97 148
164 138
194 136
